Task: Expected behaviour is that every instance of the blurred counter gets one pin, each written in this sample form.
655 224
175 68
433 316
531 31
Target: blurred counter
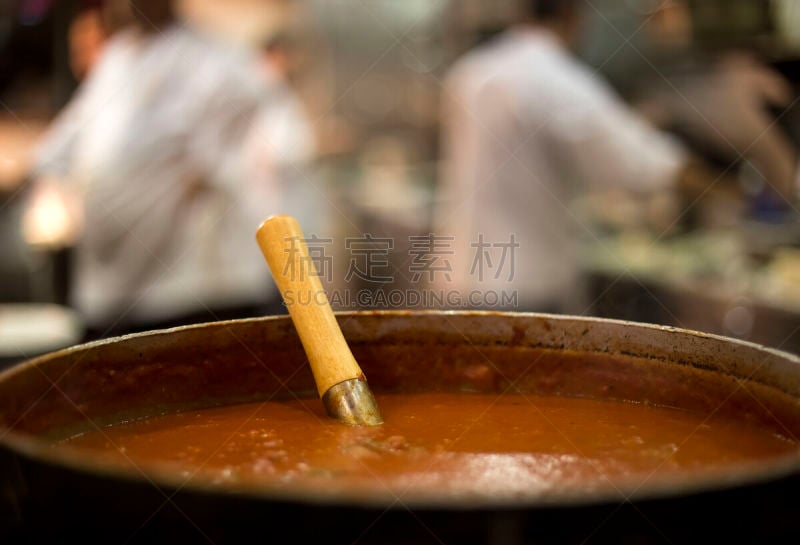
743 283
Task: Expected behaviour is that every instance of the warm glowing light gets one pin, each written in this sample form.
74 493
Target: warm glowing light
53 217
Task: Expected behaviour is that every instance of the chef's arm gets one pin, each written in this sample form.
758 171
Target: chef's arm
696 180
726 109
53 155
53 213
775 157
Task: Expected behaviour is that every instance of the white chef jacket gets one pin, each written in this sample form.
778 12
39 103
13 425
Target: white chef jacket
280 150
525 127
157 116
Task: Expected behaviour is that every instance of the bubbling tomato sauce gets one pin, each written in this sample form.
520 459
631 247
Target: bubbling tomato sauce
477 445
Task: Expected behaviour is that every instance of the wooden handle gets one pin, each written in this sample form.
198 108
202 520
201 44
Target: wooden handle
282 242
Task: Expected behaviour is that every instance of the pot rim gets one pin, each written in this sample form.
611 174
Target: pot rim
166 480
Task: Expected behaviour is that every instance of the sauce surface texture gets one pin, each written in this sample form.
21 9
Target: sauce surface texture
457 444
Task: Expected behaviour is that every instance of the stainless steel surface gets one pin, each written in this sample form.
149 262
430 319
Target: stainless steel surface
352 402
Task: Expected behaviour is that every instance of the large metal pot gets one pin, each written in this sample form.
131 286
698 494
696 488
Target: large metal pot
49 493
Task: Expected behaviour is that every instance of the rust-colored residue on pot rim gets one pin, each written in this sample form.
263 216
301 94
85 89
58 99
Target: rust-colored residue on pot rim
249 359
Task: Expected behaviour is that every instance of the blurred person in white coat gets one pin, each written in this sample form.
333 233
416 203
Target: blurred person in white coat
526 126
157 147
282 141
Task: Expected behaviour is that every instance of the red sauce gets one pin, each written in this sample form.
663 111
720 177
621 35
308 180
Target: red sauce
460 444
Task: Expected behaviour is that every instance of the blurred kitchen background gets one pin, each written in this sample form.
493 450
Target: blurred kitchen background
370 77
